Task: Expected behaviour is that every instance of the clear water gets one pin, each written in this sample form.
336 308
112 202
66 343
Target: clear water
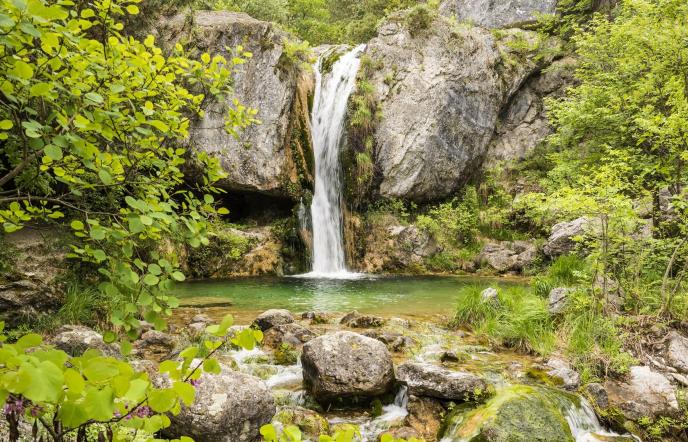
332 92
387 296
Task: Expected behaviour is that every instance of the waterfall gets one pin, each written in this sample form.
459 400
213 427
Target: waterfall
332 92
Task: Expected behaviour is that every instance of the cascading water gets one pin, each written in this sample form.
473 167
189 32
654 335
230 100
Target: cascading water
332 92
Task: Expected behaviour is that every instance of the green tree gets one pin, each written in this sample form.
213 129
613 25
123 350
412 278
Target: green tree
93 124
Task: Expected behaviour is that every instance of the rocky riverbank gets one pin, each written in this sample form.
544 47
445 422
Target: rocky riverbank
322 371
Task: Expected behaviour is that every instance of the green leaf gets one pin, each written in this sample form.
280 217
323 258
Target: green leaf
105 177
77 225
100 370
109 337
53 152
186 392
178 276
99 404
22 70
30 340
94 97
40 89
72 414
162 401
132 9
151 279
6 124
211 366
41 382
268 432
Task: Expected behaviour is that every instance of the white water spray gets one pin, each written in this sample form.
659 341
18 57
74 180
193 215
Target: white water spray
332 92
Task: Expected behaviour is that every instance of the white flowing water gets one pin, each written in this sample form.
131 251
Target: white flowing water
332 92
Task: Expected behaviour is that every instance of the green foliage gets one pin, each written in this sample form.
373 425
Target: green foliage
92 133
347 433
454 222
65 396
296 55
226 246
319 21
419 18
518 320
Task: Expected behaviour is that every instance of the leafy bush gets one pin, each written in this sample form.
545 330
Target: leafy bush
61 396
454 222
419 18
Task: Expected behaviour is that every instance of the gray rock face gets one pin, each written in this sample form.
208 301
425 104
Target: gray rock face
497 14
154 344
490 296
562 370
230 406
561 241
524 123
430 380
259 160
76 339
412 244
558 298
292 334
346 366
677 351
597 394
508 256
645 393
273 317
441 91
27 285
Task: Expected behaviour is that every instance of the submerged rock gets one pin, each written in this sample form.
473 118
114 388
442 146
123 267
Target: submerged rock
515 414
425 416
230 406
273 317
429 380
291 334
561 369
357 320
346 366
76 339
497 14
646 393
311 424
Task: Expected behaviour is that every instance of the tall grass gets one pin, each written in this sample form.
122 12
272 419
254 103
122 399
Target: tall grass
519 320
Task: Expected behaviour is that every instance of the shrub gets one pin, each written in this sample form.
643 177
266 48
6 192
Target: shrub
455 222
419 18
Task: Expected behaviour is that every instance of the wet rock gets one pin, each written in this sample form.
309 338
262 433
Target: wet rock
677 351
311 424
230 406
346 366
561 369
291 334
500 14
508 256
561 240
429 380
451 356
425 416
201 318
396 342
357 320
597 395
317 317
273 317
405 433
645 393
516 414
76 339
154 345
558 297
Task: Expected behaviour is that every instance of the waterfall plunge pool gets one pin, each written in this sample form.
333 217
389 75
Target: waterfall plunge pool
405 296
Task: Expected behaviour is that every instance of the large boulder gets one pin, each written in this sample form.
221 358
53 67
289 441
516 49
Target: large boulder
263 158
562 239
497 14
507 256
229 406
646 393
442 90
677 351
273 317
76 339
516 414
346 366
429 380
290 334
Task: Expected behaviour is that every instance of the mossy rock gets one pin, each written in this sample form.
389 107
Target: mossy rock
516 414
309 422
